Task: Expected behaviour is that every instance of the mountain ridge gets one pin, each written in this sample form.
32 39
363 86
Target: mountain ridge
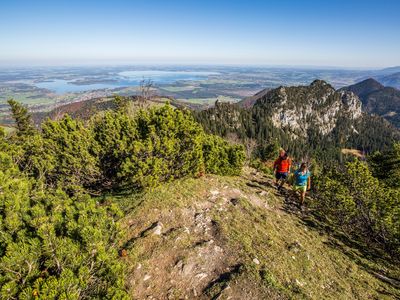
292 108
378 99
248 102
391 79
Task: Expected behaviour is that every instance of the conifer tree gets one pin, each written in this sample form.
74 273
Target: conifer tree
22 118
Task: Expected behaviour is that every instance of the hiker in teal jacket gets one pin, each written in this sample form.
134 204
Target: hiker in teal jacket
302 181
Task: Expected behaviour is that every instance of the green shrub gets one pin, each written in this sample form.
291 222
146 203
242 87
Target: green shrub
54 246
72 150
62 154
222 158
361 205
156 145
169 147
116 135
260 166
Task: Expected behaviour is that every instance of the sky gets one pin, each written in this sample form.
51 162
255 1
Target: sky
343 33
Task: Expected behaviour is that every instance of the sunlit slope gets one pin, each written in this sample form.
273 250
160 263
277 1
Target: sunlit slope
238 238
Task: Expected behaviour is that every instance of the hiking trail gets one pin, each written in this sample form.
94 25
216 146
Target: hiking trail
238 238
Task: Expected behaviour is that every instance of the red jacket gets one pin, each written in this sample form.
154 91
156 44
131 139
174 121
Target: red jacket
282 165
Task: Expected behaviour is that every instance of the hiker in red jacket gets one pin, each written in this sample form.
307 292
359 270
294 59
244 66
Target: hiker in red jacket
282 168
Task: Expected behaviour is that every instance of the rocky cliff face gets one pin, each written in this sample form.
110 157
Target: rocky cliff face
317 107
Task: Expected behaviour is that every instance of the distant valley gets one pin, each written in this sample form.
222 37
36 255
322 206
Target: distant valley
43 89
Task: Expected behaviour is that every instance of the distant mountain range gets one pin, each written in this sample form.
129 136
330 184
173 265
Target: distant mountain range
390 80
391 70
378 99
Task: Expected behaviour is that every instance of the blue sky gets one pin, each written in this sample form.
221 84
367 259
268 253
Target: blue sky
350 33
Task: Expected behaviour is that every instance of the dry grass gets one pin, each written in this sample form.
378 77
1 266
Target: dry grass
353 152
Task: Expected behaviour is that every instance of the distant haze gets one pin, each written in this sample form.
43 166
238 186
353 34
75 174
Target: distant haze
353 33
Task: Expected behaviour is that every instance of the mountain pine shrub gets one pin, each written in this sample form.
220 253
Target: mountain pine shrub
53 246
360 204
157 145
222 158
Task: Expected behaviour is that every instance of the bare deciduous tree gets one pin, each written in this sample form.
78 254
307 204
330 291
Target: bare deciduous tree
251 145
145 91
233 138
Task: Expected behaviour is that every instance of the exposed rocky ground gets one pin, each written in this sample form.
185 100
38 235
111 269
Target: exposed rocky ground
239 238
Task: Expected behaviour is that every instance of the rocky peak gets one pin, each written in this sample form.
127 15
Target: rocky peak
321 86
320 83
318 106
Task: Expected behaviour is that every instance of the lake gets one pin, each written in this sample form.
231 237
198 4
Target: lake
122 79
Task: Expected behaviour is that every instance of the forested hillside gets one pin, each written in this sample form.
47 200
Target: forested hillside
312 120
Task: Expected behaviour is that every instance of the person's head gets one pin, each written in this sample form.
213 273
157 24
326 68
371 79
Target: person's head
303 167
282 153
286 155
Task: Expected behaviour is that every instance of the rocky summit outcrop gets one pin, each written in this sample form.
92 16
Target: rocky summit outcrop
317 106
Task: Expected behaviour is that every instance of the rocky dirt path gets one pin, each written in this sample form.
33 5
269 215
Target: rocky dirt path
229 238
186 256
